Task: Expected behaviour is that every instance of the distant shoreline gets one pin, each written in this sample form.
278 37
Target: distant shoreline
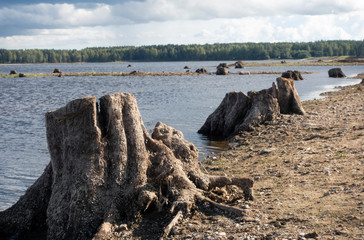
262 63
135 73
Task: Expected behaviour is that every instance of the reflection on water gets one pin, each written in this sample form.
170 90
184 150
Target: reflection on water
214 146
183 102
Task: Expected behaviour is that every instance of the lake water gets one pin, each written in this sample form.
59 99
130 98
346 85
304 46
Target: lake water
183 102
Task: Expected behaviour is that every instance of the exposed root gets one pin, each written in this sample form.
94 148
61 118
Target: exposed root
173 223
233 210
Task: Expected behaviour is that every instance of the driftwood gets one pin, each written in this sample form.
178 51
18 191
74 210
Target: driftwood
239 112
107 172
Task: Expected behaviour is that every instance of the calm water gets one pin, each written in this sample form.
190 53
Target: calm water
182 102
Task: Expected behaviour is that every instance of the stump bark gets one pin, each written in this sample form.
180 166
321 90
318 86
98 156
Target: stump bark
106 171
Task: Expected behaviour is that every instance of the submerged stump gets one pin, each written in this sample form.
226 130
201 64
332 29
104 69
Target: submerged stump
336 73
106 172
295 75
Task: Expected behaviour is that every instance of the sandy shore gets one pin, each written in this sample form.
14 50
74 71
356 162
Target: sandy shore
308 173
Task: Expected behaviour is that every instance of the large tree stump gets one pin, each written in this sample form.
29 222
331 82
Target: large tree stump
238 112
288 98
106 171
336 73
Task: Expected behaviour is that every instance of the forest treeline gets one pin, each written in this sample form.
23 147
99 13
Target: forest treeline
193 52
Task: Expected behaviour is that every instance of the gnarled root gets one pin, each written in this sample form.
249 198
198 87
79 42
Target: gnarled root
176 166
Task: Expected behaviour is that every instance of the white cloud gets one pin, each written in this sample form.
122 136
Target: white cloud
68 15
180 22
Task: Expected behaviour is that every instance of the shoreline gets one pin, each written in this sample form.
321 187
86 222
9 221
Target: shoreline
308 183
137 74
307 172
323 61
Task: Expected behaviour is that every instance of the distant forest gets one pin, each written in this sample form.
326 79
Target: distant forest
193 52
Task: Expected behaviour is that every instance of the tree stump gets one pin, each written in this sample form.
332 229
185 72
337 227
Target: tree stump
222 65
295 75
222 71
106 171
201 70
288 98
239 64
336 73
57 70
238 112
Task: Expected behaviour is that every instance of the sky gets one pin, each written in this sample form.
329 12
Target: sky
57 24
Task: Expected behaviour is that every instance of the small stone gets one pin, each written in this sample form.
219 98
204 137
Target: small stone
267 150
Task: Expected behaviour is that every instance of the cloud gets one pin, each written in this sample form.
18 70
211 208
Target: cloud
81 24
46 15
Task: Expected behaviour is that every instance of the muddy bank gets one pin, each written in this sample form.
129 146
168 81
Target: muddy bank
308 173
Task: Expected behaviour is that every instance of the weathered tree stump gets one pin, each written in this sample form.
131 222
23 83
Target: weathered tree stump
288 98
222 65
201 70
295 75
238 112
106 171
57 70
336 73
239 64
222 71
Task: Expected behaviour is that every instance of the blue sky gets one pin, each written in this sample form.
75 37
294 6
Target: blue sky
86 23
